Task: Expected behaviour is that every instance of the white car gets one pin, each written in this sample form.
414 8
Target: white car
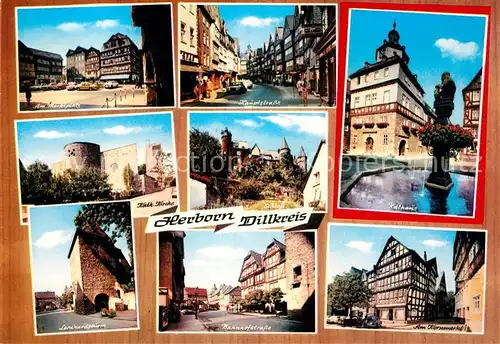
248 84
111 84
71 86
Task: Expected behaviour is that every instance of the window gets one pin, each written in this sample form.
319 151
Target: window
475 96
297 272
405 101
475 115
376 75
374 98
386 72
191 36
476 303
368 100
387 96
366 77
355 139
356 102
474 132
386 139
183 32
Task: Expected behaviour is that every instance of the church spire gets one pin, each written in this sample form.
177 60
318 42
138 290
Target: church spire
284 144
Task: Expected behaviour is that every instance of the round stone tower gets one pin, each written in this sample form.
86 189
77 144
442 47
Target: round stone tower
81 155
226 143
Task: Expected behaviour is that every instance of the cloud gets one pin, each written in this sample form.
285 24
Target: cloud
71 26
121 130
53 239
52 134
253 21
107 23
434 243
223 252
363 246
311 124
249 123
457 50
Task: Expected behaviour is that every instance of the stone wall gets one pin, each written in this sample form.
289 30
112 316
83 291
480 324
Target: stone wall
97 279
300 273
148 184
114 161
316 186
76 278
165 262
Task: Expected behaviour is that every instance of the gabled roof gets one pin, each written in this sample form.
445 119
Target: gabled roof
45 294
302 153
105 251
78 50
279 33
46 54
289 22
278 243
256 256
284 144
475 82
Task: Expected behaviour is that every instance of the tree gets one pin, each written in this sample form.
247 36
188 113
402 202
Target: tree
164 168
114 218
276 295
89 184
130 180
347 291
205 153
67 296
36 184
449 304
142 169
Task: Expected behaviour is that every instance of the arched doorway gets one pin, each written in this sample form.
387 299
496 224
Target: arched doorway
101 301
369 144
402 147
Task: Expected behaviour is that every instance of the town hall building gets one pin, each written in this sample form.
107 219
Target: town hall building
387 104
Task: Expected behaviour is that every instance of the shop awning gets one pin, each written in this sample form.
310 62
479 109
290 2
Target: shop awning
115 77
191 69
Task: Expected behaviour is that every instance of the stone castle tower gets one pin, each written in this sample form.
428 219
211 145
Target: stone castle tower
284 150
226 143
302 159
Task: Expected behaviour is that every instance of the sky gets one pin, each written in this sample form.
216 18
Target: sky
62 28
267 129
251 24
45 140
216 258
435 43
361 247
52 230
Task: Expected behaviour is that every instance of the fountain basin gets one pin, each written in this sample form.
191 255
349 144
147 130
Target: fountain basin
404 191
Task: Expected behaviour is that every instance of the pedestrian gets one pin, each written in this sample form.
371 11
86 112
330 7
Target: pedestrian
305 91
196 312
196 92
28 94
299 86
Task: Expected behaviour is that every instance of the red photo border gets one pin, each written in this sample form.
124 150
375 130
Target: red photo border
364 214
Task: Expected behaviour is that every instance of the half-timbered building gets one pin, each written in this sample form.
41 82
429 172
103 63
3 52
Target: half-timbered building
469 252
387 104
472 102
403 284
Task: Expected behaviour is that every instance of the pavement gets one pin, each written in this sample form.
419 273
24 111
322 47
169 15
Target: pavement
261 95
439 325
222 321
153 203
126 96
67 321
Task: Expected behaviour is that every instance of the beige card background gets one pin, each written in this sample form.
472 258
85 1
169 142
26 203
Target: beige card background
16 315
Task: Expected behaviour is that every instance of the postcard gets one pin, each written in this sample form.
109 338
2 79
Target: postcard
261 161
95 57
257 55
257 281
82 159
411 126
406 279
83 271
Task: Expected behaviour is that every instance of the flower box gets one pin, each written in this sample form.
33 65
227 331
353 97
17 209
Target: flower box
369 125
357 125
382 124
447 136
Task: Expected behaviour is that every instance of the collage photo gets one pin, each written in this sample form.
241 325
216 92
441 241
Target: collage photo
297 172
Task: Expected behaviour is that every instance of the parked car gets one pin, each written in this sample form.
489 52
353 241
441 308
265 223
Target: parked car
45 87
71 86
87 86
248 84
372 321
53 86
36 88
187 310
111 84
236 88
334 319
352 322
62 86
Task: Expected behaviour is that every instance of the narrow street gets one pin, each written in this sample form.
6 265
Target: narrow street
264 95
67 321
222 321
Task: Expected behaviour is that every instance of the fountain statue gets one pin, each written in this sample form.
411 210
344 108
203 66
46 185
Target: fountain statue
444 93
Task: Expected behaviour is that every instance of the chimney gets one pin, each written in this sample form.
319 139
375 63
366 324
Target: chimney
425 255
